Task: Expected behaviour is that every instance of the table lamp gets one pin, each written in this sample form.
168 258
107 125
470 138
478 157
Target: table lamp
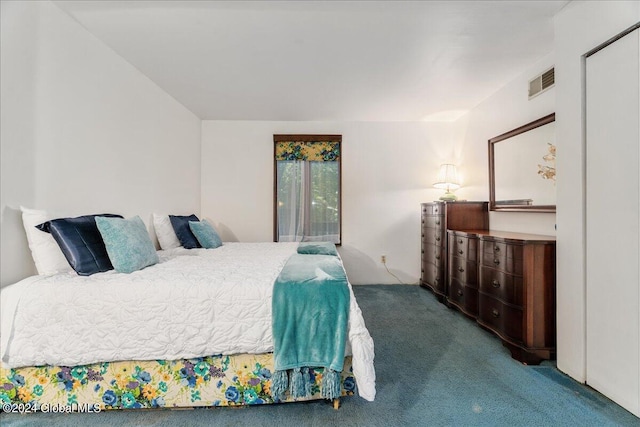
448 180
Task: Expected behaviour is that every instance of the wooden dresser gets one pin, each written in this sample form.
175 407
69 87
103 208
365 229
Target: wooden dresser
463 272
437 218
506 281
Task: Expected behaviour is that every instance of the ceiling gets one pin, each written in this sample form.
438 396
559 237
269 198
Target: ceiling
325 60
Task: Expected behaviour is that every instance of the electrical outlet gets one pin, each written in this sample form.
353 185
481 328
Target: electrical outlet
383 259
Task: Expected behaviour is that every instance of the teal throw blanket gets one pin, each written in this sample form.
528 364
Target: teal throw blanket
310 314
317 248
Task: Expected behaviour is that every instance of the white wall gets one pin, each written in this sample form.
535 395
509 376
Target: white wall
388 170
18 56
503 111
83 131
579 27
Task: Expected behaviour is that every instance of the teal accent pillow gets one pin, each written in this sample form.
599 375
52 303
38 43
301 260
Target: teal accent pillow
317 248
205 233
128 243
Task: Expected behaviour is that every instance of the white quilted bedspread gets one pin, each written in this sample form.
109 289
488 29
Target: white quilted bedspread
193 303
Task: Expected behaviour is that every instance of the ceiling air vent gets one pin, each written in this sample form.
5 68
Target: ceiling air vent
541 83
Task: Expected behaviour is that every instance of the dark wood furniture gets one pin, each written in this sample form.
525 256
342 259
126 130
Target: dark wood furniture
437 217
514 294
517 293
503 280
463 272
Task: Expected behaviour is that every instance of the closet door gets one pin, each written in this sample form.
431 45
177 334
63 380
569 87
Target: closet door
613 221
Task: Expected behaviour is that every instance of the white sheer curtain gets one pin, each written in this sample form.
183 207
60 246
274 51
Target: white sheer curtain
291 200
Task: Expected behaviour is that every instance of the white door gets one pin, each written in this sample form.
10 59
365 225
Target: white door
613 220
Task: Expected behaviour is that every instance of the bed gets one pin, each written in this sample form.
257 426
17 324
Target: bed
193 330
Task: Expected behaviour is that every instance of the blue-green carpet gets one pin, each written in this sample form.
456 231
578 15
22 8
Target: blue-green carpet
434 368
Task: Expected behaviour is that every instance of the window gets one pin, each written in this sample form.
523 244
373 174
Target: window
307 203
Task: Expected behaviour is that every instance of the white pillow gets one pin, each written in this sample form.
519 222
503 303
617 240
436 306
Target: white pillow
45 251
165 233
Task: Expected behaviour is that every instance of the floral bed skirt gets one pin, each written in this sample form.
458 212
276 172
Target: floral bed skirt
237 380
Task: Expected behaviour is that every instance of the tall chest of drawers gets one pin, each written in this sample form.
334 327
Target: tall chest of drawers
462 290
516 292
437 218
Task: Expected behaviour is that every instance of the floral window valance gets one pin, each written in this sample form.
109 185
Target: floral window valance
312 151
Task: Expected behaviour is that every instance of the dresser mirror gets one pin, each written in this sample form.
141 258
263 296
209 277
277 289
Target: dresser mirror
522 169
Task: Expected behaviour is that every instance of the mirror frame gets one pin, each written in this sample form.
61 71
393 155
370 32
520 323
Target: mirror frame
492 173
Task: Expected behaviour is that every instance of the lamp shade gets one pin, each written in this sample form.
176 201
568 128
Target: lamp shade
447 177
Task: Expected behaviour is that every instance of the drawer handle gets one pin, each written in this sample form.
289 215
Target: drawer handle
422 251
437 239
438 222
422 270
495 313
422 234
496 248
437 256
460 241
460 251
461 270
435 210
459 293
495 284
496 261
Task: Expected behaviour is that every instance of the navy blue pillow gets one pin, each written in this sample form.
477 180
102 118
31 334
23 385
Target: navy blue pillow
80 242
183 231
